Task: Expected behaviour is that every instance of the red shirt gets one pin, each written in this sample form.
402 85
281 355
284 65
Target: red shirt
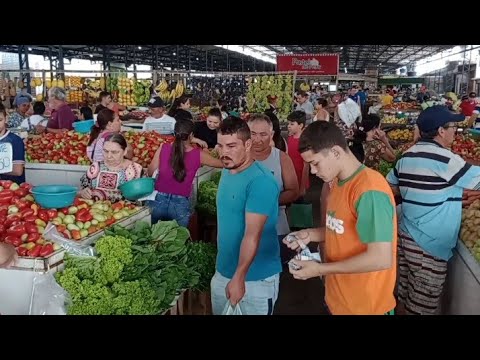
467 107
298 162
62 118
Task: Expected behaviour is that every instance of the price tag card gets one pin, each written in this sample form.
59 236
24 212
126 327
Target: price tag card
6 156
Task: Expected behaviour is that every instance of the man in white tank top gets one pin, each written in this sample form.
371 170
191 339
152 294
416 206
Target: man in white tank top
281 166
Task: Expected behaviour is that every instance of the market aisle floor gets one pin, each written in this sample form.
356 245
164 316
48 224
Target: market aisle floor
298 297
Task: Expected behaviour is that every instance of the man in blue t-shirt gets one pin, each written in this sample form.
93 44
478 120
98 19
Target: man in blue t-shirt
248 260
17 174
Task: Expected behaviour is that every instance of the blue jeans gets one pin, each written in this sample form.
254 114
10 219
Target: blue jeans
259 299
170 207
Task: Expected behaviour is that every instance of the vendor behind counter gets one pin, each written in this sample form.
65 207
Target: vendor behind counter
207 130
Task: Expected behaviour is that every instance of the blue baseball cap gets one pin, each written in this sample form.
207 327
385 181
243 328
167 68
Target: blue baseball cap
437 116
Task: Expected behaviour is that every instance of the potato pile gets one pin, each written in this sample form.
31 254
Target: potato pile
470 230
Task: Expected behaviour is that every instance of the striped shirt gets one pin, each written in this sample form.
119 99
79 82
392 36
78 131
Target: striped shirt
431 180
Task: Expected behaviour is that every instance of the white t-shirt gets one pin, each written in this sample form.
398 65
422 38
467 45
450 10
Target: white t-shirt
34 121
164 125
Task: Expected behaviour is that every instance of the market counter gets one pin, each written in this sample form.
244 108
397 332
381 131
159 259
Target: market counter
463 283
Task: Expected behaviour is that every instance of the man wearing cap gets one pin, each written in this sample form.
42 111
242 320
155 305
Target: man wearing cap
158 119
468 104
431 180
23 104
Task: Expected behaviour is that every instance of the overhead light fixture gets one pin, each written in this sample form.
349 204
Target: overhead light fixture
30 49
139 48
174 54
341 47
184 66
91 55
197 58
161 64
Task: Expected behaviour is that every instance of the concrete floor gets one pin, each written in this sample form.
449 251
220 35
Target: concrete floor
298 297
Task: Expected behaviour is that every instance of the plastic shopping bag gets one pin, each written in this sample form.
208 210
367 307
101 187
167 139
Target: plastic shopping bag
232 310
153 195
48 298
72 247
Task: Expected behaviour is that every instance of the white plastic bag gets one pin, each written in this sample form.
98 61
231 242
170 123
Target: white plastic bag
232 310
152 196
349 111
51 233
48 298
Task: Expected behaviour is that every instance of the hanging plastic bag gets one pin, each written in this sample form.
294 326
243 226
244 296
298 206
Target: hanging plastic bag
349 111
48 298
232 310
51 233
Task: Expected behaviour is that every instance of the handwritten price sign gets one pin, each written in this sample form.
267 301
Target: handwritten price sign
6 156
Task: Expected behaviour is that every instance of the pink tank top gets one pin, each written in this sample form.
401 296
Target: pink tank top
166 182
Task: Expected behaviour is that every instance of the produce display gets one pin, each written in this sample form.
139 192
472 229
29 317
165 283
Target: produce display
401 134
141 91
22 221
470 230
392 119
466 146
262 86
71 147
66 148
202 258
36 82
86 217
134 115
207 195
136 272
207 90
73 82
167 95
402 106
145 144
74 96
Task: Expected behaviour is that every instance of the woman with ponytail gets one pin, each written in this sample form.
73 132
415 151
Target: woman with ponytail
177 165
107 123
180 108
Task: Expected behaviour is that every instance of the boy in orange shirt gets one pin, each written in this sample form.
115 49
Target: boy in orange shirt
361 228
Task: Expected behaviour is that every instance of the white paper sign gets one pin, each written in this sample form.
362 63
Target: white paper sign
6 156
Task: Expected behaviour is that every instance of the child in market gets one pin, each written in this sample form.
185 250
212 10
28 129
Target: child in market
17 159
296 125
86 113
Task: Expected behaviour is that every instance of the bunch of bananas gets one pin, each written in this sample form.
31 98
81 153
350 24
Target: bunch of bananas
304 87
167 95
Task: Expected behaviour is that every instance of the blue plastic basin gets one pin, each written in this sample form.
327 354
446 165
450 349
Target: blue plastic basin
54 196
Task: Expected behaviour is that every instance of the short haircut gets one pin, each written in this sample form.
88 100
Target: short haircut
86 112
321 135
215 112
103 94
300 117
302 93
233 125
39 108
322 102
261 117
3 110
57 93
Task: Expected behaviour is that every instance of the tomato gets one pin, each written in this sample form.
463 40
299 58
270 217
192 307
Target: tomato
33 237
26 213
26 186
78 201
23 204
35 252
31 228
83 215
6 196
21 192
12 240
76 235
43 215
2 228
46 250
30 219
21 251
16 230
110 221
3 212
64 210
11 219
52 214
6 184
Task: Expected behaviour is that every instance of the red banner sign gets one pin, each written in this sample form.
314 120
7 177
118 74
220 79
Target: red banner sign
309 64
